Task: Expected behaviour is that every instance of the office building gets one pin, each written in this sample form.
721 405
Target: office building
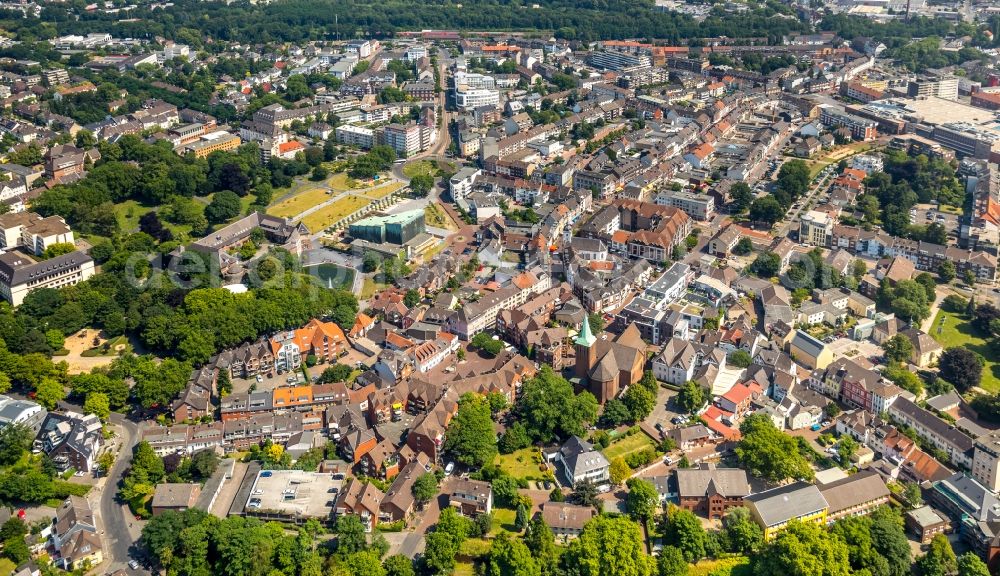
392 229
815 228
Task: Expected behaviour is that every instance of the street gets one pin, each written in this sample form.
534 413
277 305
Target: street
116 523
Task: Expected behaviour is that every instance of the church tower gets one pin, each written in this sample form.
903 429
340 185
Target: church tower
585 353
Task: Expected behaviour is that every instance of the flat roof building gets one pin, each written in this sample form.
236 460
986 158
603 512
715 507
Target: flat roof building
393 229
293 496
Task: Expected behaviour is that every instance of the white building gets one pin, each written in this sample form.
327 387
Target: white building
355 136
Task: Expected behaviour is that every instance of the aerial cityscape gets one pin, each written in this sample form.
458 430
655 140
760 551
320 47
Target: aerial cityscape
567 288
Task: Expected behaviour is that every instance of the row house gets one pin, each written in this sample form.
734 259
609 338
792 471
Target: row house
184 438
935 431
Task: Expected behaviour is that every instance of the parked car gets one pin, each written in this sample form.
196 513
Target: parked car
449 468
133 564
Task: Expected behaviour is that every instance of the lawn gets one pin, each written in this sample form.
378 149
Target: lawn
328 215
114 347
333 276
128 214
299 203
382 191
629 445
341 181
420 167
521 464
503 519
955 330
369 287
436 217
6 567
735 566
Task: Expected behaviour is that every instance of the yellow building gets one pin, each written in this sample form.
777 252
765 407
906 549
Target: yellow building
808 351
213 143
774 509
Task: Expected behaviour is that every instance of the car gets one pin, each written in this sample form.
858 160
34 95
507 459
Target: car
825 423
548 485
338 476
659 426
133 564
260 378
449 468
668 460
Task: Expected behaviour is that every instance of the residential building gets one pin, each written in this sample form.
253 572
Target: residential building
74 535
580 461
471 497
352 135
566 520
774 509
404 139
177 497
986 460
935 431
698 206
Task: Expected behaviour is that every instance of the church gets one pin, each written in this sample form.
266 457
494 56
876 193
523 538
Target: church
606 365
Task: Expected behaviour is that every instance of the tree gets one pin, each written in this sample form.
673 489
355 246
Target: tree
470 434
766 210
585 493
225 205
596 321
642 499
803 549
913 494
615 413
549 409
962 367
49 393
682 529
970 565
364 563
741 197
424 488
514 438
412 298
898 348
671 562
439 553
421 185
608 546
946 271
846 449
766 265
619 471
740 358
740 532
691 397
335 373
889 539
743 247
768 452
939 560
98 405
540 541
350 535
398 565
509 557
484 343
520 517
15 440
639 401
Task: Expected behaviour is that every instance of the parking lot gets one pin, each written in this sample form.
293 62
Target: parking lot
294 494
